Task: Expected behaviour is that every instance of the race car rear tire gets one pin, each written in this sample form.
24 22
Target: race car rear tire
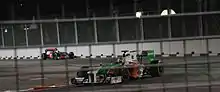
125 75
156 71
71 55
44 56
74 81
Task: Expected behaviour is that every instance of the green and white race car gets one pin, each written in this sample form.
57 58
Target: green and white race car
129 66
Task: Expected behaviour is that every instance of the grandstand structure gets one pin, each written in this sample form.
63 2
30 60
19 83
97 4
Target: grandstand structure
40 23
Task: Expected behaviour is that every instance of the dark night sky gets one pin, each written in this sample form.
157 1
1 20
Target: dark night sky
78 7
52 8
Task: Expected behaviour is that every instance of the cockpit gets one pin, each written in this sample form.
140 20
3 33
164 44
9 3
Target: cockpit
50 50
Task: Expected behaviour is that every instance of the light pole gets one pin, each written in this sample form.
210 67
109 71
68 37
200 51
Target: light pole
2 34
165 13
139 15
26 28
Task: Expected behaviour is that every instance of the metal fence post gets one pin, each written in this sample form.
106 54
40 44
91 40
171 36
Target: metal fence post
13 36
117 29
42 68
67 69
113 47
169 29
161 43
142 29
95 29
16 70
41 34
26 34
111 7
161 53
200 18
90 62
3 38
137 47
90 54
182 19
185 65
76 31
58 33
208 65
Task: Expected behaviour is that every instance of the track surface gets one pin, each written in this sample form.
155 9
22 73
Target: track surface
174 75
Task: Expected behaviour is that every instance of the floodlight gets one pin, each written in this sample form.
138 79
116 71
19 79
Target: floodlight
26 28
138 14
6 30
165 12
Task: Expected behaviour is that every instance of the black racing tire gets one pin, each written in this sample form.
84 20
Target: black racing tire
80 74
74 81
83 72
125 75
44 56
156 71
71 55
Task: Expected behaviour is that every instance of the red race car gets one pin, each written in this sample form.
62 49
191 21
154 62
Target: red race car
54 53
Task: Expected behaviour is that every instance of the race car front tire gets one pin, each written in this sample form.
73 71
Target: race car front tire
156 71
74 81
83 72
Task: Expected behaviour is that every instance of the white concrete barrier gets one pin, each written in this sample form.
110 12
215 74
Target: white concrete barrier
174 47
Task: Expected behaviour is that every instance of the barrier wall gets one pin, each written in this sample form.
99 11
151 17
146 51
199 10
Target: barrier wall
173 47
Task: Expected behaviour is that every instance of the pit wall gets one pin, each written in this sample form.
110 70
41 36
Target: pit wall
197 47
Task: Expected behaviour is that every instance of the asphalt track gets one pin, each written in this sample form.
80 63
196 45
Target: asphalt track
174 75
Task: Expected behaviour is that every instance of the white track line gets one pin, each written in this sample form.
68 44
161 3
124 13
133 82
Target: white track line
35 79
